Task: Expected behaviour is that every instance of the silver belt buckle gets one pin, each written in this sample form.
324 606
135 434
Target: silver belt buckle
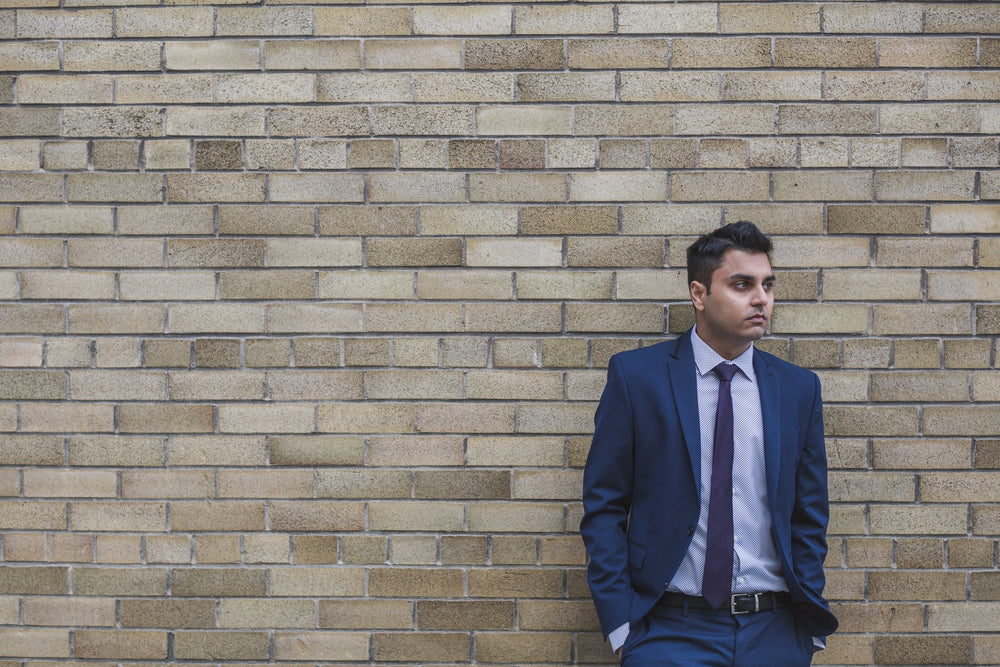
732 604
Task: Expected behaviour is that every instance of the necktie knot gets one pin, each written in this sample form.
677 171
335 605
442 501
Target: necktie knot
725 371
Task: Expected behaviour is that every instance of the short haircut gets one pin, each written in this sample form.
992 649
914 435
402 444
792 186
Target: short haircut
704 256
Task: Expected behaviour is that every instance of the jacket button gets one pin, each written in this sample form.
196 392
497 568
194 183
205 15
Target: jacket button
690 531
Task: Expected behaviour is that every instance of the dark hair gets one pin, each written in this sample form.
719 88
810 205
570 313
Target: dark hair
704 256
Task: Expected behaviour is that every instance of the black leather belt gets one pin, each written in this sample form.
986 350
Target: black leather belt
747 603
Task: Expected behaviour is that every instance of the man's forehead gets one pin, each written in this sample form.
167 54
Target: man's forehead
739 263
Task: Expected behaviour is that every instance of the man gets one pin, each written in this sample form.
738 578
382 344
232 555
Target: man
705 500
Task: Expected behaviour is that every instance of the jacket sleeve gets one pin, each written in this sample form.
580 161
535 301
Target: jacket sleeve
811 511
607 499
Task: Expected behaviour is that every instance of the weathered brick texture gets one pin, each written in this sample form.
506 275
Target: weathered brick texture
306 308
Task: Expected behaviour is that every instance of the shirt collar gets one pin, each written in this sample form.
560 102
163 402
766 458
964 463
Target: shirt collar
705 358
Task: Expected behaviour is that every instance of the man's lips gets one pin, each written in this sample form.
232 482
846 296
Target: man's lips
759 318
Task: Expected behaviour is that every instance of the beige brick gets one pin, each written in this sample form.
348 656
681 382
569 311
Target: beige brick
921 319
232 121
964 219
505 317
23 187
464 285
420 647
962 18
927 118
465 417
688 18
139 613
924 252
163 22
515 582
916 520
719 186
224 645
70 483
867 486
570 285
148 517
871 285
824 51
764 17
879 617
277 21
865 19
101 56
413 317
820 318
163 88
908 185
22 643
415 516
321 645
375 21
961 285
84 418
513 252
867 420
523 120
208 55
366 418
167 484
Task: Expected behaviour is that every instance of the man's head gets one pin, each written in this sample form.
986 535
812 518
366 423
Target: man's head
730 278
704 256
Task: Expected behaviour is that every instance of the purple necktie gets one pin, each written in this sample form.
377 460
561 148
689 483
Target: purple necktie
717 583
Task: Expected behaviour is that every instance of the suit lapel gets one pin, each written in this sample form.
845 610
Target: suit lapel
684 389
770 408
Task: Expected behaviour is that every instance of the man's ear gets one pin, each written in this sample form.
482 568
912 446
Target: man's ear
698 292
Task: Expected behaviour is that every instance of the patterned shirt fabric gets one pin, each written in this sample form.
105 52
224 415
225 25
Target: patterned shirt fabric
755 560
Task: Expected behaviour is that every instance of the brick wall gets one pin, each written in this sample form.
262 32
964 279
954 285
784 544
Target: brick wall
306 310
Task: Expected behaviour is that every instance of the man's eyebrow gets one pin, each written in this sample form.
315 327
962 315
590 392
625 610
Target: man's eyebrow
746 276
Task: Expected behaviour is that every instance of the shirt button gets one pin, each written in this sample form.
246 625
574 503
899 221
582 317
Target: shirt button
736 538
740 580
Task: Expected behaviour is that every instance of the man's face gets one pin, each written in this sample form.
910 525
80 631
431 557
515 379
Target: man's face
737 308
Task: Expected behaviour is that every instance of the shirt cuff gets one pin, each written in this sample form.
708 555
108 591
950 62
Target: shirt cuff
618 636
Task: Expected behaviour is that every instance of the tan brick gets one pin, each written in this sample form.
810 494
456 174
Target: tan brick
321 645
962 18
865 19
764 17
25 187
283 21
521 120
415 516
921 319
515 582
231 121
719 186
101 56
879 617
82 418
924 453
668 19
70 483
513 53
115 451
927 118
366 418
22 643
868 420
824 51
924 252
420 647
112 581
917 519
139 613
173 418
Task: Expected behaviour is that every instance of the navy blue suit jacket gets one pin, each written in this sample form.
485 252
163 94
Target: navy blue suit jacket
640 485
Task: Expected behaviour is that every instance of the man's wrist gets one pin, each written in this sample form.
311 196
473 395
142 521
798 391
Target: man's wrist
618 636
